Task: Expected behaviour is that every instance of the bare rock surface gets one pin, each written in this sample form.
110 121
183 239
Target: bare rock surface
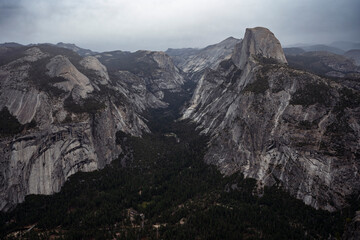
60 66
280 125
193 62
100 70
71 108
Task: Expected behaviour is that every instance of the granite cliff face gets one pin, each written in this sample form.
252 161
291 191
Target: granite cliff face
193 62
280 125
74 106
150 70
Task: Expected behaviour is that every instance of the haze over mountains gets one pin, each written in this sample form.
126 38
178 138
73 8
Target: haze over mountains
283 117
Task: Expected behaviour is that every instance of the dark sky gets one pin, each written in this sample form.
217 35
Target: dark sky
159 24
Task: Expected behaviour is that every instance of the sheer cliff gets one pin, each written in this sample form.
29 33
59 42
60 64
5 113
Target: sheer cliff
280 125
193 62
64 111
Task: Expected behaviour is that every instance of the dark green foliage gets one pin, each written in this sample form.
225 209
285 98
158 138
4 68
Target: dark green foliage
226 64
137 63
266 60
339 131
67 119
321 63
349 98
54 51
233 71
12 55
306 125
38 76
9 125
175 184
57 79
168 181
308 63
260 85
312 93
38 71
89 105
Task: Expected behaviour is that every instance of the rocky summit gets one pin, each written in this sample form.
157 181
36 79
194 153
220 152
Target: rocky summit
280 125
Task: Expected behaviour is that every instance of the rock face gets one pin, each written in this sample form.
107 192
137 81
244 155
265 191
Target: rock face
280 125
77 106
258 42
60 66
155 70
193 62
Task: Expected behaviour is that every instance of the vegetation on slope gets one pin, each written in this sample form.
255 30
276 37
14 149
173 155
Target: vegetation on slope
9 125
160 188
165 178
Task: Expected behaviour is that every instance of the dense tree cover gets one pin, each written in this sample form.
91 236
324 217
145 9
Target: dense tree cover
169 183
9 124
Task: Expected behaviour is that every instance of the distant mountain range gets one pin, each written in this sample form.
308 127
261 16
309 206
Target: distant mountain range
339 47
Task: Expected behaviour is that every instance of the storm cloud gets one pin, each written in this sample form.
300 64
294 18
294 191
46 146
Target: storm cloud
159 24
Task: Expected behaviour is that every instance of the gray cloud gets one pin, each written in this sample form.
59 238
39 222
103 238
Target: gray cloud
159 24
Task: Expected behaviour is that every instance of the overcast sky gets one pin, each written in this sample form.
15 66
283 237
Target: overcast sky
159 24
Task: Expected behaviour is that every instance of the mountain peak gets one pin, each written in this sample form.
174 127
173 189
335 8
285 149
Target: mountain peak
258 41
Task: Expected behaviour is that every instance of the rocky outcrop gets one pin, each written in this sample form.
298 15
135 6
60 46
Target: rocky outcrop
258 42
165 69
100 71
74 106
60 66
280 125
193 62
155 70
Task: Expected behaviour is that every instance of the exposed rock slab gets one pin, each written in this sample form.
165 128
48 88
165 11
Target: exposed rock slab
60 66
77 108
193 62
280 125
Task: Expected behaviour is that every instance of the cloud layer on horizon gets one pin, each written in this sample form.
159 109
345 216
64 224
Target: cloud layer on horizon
159 24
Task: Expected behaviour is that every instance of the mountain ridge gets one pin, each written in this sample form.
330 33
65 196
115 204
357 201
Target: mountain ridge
250 106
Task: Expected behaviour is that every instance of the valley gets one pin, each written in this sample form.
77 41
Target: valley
179 195
238 140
